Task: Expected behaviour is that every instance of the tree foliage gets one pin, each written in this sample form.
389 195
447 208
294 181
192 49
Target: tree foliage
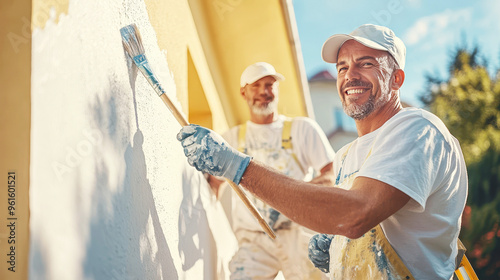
468 102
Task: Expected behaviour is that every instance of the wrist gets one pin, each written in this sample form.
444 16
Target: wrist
241 169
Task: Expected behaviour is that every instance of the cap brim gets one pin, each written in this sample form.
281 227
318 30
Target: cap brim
332 45
277 76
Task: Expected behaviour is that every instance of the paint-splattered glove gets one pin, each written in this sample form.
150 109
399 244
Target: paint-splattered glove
207 151
319 245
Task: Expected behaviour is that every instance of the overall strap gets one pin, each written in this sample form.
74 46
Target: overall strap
242 131
463 269
286 135
286 141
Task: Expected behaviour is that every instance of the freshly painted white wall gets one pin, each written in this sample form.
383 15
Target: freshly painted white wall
111 194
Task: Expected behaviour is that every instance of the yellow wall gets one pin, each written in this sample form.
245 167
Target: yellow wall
222 37
41 11
237 33
177 34
15 69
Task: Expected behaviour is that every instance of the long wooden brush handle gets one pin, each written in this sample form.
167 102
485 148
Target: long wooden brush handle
182 121
132 42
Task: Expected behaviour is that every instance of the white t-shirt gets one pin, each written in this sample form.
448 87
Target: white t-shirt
415 153
263 143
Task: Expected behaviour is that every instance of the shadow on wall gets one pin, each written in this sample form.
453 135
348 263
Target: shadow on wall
130 243
123 247
196 241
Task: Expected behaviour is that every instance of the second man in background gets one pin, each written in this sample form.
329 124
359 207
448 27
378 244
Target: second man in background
295 147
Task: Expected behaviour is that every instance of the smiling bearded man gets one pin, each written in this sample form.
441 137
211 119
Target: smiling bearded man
400 187
356 86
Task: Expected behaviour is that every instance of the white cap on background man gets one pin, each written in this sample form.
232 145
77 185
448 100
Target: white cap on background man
258 71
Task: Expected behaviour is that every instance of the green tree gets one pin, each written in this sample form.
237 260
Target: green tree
468 102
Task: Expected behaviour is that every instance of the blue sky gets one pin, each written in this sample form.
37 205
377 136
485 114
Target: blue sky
430 30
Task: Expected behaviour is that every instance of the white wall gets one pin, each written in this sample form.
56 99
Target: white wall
324 98
111 194
326 102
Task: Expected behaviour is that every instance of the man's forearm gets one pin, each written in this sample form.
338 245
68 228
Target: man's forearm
322 209
330 210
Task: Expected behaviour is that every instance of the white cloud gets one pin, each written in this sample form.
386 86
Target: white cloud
486 32
439 27
415 3
490 10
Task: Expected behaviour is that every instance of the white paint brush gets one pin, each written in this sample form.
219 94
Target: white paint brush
132 43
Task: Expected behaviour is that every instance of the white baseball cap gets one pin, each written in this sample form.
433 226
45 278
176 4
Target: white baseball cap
373 36
258 71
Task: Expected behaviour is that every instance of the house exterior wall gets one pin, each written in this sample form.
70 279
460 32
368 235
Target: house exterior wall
338 127
324 98
111 194
104 190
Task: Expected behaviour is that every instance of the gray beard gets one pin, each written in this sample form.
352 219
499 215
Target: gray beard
359 112
266 109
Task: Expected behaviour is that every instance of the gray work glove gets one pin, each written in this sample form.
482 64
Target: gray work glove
207 151
319 245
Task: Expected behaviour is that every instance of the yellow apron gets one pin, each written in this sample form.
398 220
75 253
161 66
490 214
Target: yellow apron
368 257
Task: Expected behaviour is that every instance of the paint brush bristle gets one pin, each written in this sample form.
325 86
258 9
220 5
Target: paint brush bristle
132 41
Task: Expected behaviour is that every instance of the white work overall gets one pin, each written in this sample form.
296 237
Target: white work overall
260 257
